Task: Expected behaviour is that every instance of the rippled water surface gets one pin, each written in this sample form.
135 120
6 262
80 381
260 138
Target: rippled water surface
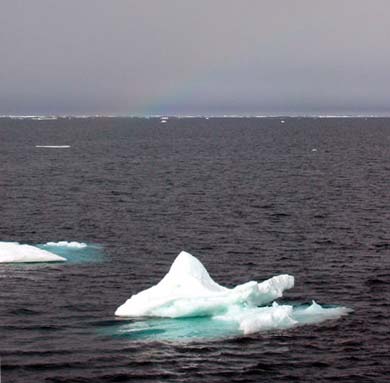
249 197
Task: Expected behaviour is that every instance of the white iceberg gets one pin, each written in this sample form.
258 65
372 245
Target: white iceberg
14 252
72 244
189 291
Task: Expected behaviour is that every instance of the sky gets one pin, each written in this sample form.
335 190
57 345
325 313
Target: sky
194 57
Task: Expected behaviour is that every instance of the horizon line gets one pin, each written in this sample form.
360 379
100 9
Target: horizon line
183 116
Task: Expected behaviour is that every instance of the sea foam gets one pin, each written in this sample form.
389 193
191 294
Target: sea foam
188 291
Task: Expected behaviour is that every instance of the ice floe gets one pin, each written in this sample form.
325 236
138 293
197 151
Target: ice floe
70 251
188 291
72 244
14 252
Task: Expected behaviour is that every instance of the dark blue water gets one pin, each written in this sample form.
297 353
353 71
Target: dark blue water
249 197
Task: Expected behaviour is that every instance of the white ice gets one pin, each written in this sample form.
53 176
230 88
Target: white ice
53 146
275 317
189 291
72 244
14 252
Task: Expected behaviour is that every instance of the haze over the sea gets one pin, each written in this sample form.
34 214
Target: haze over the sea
194 57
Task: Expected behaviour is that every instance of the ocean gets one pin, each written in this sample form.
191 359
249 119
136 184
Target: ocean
249 197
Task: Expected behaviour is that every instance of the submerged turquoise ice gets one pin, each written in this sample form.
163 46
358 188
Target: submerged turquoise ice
167 329
75 252
213 328
188 304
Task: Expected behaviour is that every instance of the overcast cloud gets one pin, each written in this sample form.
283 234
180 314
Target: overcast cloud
194 56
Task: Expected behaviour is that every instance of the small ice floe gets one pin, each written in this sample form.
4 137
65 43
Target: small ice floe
14 252
188 291
163 120
53 146
72 244
314 150
44 118
282 121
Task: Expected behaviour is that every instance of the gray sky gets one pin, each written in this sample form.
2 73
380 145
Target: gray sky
194 56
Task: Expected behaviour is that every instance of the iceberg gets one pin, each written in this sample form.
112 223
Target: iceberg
188 291
14 252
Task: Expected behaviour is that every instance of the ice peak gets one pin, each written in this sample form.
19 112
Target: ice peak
186 264
188 272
